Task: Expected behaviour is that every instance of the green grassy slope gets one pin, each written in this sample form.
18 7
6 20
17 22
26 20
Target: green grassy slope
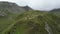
34 22
24 20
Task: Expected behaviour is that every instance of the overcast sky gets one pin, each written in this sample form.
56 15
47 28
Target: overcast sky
38 4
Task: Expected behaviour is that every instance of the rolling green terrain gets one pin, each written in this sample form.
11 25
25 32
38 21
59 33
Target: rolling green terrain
33 22
24 20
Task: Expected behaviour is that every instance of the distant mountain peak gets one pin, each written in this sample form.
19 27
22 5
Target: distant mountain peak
27 8
58 9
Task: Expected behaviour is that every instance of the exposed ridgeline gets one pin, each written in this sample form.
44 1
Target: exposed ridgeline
27 8
8 7
56 12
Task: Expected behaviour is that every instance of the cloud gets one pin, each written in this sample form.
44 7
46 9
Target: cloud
45 4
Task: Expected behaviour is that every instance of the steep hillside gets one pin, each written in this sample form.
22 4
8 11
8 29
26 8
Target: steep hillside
8 8
11 7
34 22
8 12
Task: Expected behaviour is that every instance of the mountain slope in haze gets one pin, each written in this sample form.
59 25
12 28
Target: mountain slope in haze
11 8
8 9
34 22
56 12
